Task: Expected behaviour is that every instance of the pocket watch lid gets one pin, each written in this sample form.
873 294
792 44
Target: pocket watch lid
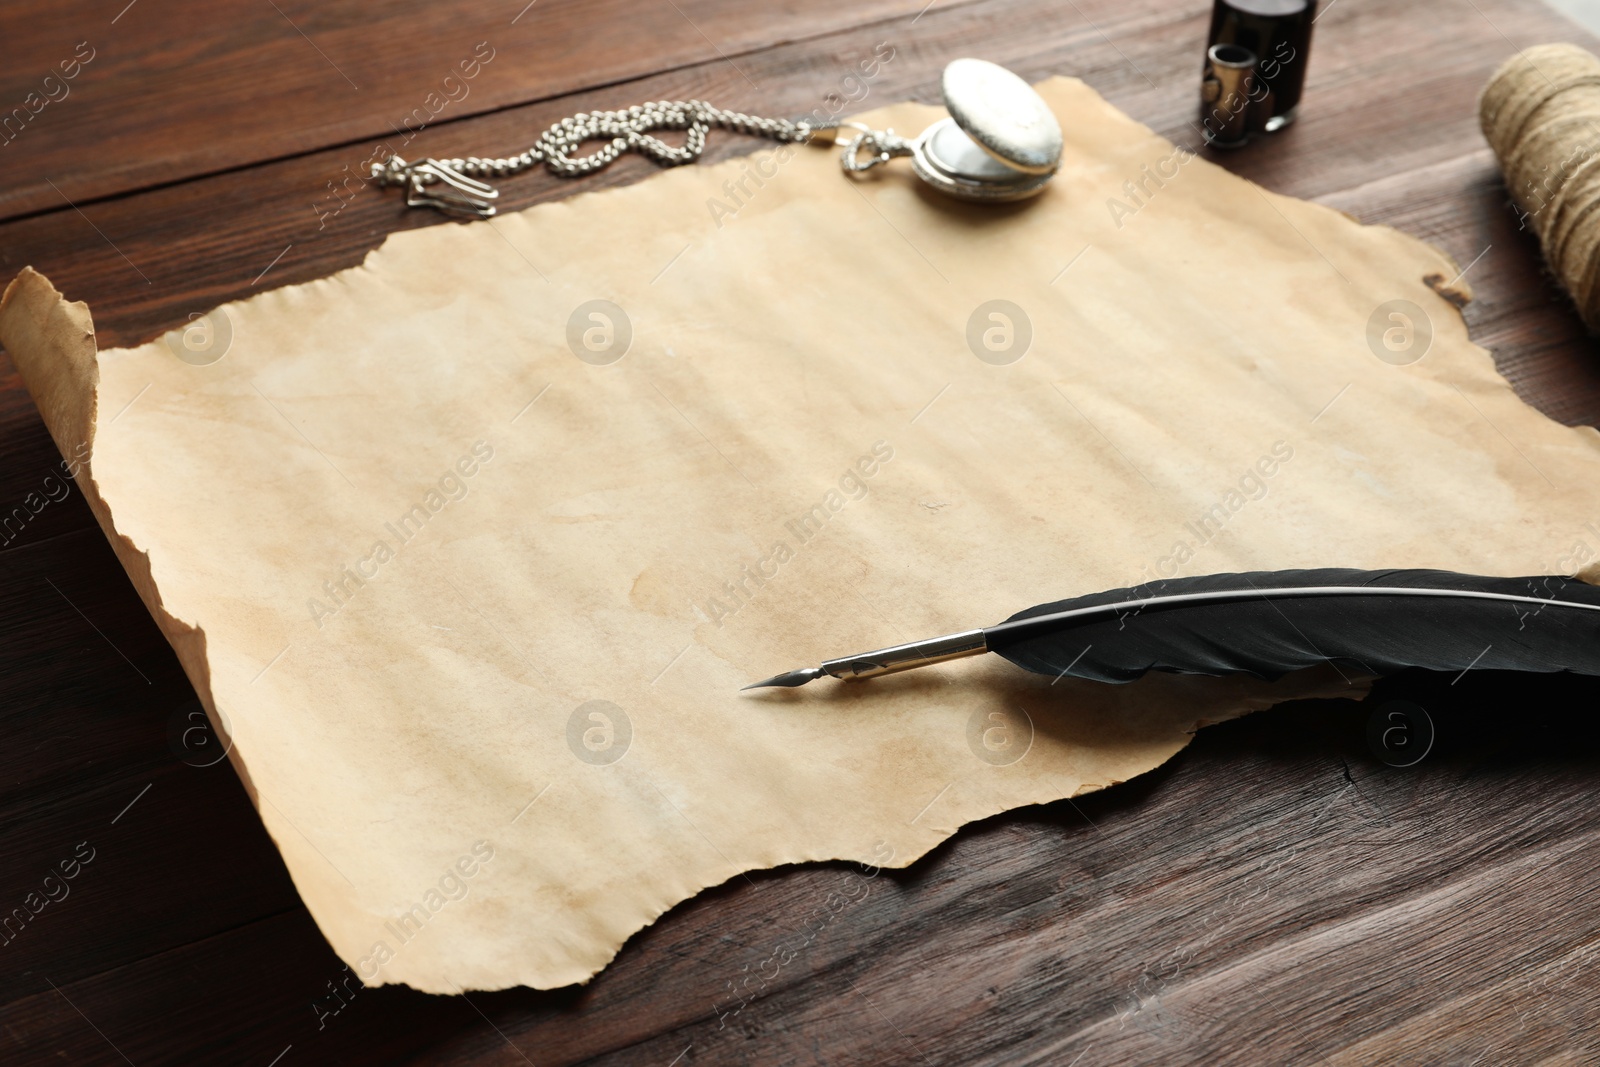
1003 114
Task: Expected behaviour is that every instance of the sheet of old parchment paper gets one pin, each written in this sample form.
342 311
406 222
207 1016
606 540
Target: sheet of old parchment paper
471 547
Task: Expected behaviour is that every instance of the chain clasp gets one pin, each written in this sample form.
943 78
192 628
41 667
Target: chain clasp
434 183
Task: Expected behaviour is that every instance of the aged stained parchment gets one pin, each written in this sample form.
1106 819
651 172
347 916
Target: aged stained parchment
470 548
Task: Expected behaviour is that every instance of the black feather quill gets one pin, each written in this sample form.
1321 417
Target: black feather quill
1267 623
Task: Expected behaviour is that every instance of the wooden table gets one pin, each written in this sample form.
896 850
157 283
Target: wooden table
1273 895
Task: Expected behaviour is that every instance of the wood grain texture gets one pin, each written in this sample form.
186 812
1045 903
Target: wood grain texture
162 92
1273 895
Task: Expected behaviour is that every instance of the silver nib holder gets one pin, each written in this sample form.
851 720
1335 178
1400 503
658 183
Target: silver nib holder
885 660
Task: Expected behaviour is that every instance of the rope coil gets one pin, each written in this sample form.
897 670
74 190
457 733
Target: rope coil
1540 113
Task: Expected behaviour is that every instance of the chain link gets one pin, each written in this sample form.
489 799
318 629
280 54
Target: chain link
623 131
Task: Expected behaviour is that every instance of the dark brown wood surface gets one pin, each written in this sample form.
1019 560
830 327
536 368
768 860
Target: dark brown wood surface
1275 894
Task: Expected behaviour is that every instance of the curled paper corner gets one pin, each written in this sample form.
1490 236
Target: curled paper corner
52 342
36 318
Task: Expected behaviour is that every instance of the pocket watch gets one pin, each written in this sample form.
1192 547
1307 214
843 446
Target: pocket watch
1001 141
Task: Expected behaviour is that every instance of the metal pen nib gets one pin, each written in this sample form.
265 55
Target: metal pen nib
788 679
885 660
